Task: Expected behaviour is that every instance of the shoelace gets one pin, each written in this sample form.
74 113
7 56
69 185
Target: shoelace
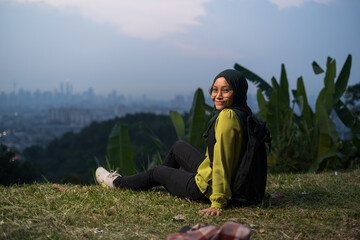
113 174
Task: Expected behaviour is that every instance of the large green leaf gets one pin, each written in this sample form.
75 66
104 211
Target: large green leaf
329 80
331 152
197 119
302 101
278 112
274 83
305 121
342 80
325 99
119 150
324 123
178 123
349 119
284 85
258 81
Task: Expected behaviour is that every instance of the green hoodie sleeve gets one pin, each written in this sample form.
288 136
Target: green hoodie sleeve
227 152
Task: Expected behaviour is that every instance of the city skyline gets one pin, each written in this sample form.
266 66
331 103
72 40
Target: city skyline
66 88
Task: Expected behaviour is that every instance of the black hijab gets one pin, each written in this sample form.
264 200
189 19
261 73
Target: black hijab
239 85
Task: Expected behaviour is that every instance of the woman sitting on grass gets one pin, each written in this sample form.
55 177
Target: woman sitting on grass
208 176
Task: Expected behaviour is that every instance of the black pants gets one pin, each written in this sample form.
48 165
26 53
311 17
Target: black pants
180 183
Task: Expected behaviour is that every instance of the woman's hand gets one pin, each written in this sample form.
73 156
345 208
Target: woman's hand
210 211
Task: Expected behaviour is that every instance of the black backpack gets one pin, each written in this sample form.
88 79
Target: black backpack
248 186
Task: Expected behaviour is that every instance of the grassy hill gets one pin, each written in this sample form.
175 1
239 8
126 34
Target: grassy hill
310 206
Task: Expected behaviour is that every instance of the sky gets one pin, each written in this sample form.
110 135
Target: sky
163 48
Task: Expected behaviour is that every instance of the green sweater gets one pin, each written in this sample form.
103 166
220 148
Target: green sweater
228 149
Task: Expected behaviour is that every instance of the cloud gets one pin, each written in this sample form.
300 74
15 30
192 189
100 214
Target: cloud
282 4
190 49
136 18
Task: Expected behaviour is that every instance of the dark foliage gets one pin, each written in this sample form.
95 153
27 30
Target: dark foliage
66 159
352 97
12 171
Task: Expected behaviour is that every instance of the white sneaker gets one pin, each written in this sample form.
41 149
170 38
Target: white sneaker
106 178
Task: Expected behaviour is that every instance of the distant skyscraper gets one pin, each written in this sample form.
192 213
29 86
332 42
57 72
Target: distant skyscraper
68 87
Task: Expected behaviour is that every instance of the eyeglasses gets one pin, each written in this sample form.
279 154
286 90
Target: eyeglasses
224 91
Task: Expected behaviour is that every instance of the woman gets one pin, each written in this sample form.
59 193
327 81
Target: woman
207 176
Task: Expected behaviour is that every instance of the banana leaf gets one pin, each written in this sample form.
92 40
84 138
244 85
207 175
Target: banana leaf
342 80
302 101
278 113
329 80
332 152
324 123
325 99
258 81
119 150
197 120
284 84
349 119
274 83
179 124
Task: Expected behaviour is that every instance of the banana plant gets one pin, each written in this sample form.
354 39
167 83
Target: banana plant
119 152
275 109
191 131
329 100
316 131
258 81
178 123
197 122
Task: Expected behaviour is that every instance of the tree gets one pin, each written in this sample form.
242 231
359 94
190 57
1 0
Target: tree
352 98
11 170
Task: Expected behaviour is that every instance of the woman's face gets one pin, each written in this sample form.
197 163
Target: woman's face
222 94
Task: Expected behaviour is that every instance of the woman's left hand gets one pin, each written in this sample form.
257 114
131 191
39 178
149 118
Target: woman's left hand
210 211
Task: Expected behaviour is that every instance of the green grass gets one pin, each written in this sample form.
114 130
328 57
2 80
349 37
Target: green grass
315 206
